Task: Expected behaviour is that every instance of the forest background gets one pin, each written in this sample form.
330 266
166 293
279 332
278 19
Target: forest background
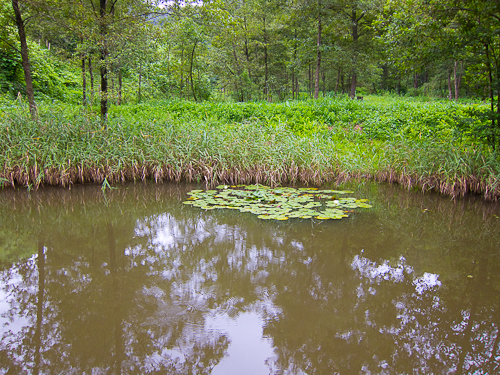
292 64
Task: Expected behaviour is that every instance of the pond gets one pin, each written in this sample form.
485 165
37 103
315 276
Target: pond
132 281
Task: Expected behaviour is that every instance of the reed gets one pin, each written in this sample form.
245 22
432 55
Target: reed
210 143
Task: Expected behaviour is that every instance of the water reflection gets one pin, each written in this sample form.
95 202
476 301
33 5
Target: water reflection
138 283
249 352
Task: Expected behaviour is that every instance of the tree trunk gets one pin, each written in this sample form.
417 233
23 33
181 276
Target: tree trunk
112 88
84 83
191 72
310 82
492 98
25 61
247 50
295 84
91 73
103 49
168 71
355 36
139 86
318 54
385 77
237 78
247 55
353 85
450 93
182 73
266 88
338 81
120 86
457 78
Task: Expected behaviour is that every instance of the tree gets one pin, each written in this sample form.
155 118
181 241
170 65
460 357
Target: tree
460 35
358 17
20 23
110 18
479 22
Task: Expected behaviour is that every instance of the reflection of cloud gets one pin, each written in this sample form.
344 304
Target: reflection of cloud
165 231
249 351
378 272
425 282
384 271
416 332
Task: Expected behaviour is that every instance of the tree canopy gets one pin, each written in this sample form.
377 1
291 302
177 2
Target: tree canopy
252 49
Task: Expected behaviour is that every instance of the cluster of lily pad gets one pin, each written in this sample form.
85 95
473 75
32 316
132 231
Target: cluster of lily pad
281 203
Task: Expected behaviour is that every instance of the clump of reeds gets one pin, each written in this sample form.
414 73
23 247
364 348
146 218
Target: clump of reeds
67 146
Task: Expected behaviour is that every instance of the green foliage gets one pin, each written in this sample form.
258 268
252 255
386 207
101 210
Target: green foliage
260 142
378 118
280 203
10 71
11 74
52 77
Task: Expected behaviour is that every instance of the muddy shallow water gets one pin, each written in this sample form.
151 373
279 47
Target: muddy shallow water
134 282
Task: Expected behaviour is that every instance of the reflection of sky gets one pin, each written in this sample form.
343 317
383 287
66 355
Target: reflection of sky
12 326
384 271
243 324
249 352
166 232
416 325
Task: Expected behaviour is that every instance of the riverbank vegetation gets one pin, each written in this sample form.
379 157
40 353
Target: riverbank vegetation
251 92
432 145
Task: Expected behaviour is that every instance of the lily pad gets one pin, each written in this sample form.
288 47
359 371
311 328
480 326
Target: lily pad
277 203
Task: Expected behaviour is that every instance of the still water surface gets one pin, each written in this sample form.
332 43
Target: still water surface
135 282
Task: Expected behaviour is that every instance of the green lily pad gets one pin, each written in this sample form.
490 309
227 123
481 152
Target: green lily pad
281 203
350 205
364 205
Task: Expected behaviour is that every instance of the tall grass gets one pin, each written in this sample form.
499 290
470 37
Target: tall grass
295 142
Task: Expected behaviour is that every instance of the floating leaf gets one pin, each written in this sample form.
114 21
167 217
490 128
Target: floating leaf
276 203
192 192
364 205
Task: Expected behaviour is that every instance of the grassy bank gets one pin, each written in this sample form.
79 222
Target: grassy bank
430 145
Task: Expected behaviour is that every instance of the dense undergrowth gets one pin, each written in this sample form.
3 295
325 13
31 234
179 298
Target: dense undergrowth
432 145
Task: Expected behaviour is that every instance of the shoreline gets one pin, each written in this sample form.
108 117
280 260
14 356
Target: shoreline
199 172
304 142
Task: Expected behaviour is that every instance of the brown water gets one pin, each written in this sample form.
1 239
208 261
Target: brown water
134 282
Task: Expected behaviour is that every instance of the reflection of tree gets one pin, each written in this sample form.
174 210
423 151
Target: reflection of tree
39 305
387 324
26 282
125 288
101 316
